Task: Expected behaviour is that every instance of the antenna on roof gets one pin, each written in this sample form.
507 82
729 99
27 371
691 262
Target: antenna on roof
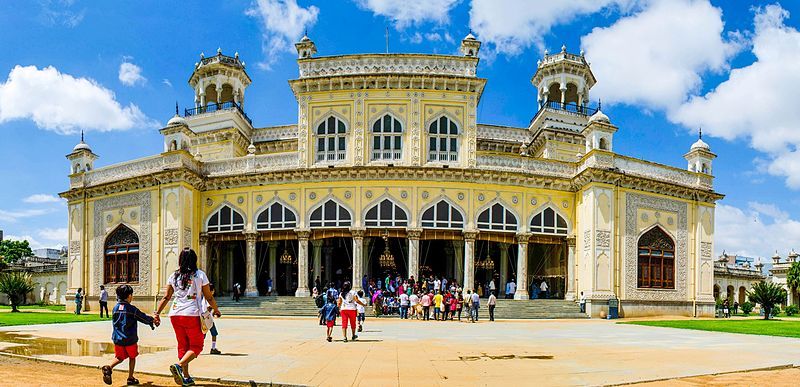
387 40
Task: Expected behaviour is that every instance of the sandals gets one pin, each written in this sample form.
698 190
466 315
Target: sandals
106 374
133 381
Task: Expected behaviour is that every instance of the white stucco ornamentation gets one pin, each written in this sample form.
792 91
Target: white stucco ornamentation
381 64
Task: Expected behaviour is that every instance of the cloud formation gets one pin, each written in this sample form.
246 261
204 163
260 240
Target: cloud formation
758 102
282 23
15 215
637 62
756 231
59 235
42 198
65 104
131 74
405 13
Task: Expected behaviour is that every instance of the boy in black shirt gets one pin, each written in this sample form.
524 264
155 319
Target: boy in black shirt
125 336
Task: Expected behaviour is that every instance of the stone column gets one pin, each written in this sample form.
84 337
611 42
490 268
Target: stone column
571 284
328 252
458 254
469 259
317 254
358 256
251 290
522 267
413 235
204 252
302 262
501 287
273 264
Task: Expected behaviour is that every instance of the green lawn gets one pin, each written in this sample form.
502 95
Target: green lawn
54 308
785 328
31 318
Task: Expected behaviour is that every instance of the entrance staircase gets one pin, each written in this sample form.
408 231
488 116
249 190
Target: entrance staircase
304 306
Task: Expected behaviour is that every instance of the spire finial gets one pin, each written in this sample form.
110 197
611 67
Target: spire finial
81 135
305 32
176 108
701 133
599 104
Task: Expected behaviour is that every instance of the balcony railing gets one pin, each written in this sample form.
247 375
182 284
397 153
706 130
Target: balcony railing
569 108
213 107
387 154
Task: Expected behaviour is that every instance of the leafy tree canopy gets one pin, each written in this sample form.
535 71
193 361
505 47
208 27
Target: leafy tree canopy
11 251
793 276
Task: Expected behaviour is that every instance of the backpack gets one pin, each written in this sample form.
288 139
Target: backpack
319 301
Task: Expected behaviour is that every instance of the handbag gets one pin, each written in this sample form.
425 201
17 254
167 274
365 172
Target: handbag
206 318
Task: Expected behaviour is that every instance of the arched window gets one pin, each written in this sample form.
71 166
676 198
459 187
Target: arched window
121 262
549 222
387 139
225 219
603 144
386 214
656 267
276 216
442 215
443 140
331 140
497 218
330 214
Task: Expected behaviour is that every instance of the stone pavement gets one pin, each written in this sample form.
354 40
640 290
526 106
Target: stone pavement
393 352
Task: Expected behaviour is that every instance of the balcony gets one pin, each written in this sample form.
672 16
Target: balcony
215 107
568 108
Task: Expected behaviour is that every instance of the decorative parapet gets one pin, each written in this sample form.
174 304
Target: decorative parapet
503 133
562 56
641 168
369 64
254 164
511 163
274 133
140 167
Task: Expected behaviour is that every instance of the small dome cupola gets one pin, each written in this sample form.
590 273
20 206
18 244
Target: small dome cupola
599 132
305 47
470 46
563 80
82 158
699 157
219 82
599 116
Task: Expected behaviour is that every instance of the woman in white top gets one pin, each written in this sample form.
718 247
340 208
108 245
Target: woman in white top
186 288
347 307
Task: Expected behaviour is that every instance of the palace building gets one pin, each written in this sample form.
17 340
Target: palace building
389 169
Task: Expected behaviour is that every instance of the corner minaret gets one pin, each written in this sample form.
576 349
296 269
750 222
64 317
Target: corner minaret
219 81
470 46
563 80
305 47
700 156
599 132
82 158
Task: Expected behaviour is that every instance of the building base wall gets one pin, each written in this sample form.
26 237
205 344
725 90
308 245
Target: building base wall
634 308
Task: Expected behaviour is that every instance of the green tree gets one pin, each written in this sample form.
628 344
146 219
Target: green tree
793 276
11 251
15 284
767 295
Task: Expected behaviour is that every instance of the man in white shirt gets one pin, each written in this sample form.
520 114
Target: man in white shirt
492 303
404 306
511 288
437 284
103 301
413 300
583 303
544 289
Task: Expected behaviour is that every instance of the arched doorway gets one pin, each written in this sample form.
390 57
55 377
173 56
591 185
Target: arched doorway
716 292
729 295
742 294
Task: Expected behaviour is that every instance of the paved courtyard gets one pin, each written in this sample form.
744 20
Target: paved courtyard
393 352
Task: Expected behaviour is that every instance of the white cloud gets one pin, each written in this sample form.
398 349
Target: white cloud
131 74
60 12
756 231
405 13
512 25
759 101
15 215
63 103
166 82
43 198
54 234
31 241
655 57
283 23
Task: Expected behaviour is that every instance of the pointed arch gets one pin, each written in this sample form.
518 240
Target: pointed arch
443 138
442 214
121 256
330 213
387 137
549 221
330 135
225 219
386 213
276 215
656 259
497 217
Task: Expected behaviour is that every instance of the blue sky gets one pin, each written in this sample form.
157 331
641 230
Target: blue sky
664 69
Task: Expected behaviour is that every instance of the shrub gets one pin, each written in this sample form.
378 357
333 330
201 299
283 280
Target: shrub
792 310
768 295
15 284
747 307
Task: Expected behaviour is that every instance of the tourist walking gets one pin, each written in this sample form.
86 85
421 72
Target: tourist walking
491 303
185 287
78 301
460 299
237 292
348 300
269 286
404 306
103 301
413 301
437 305
511 288
453 305
582 303
476 304
468 304
545 289
361 316
328 312
213 330
426 307
125 334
